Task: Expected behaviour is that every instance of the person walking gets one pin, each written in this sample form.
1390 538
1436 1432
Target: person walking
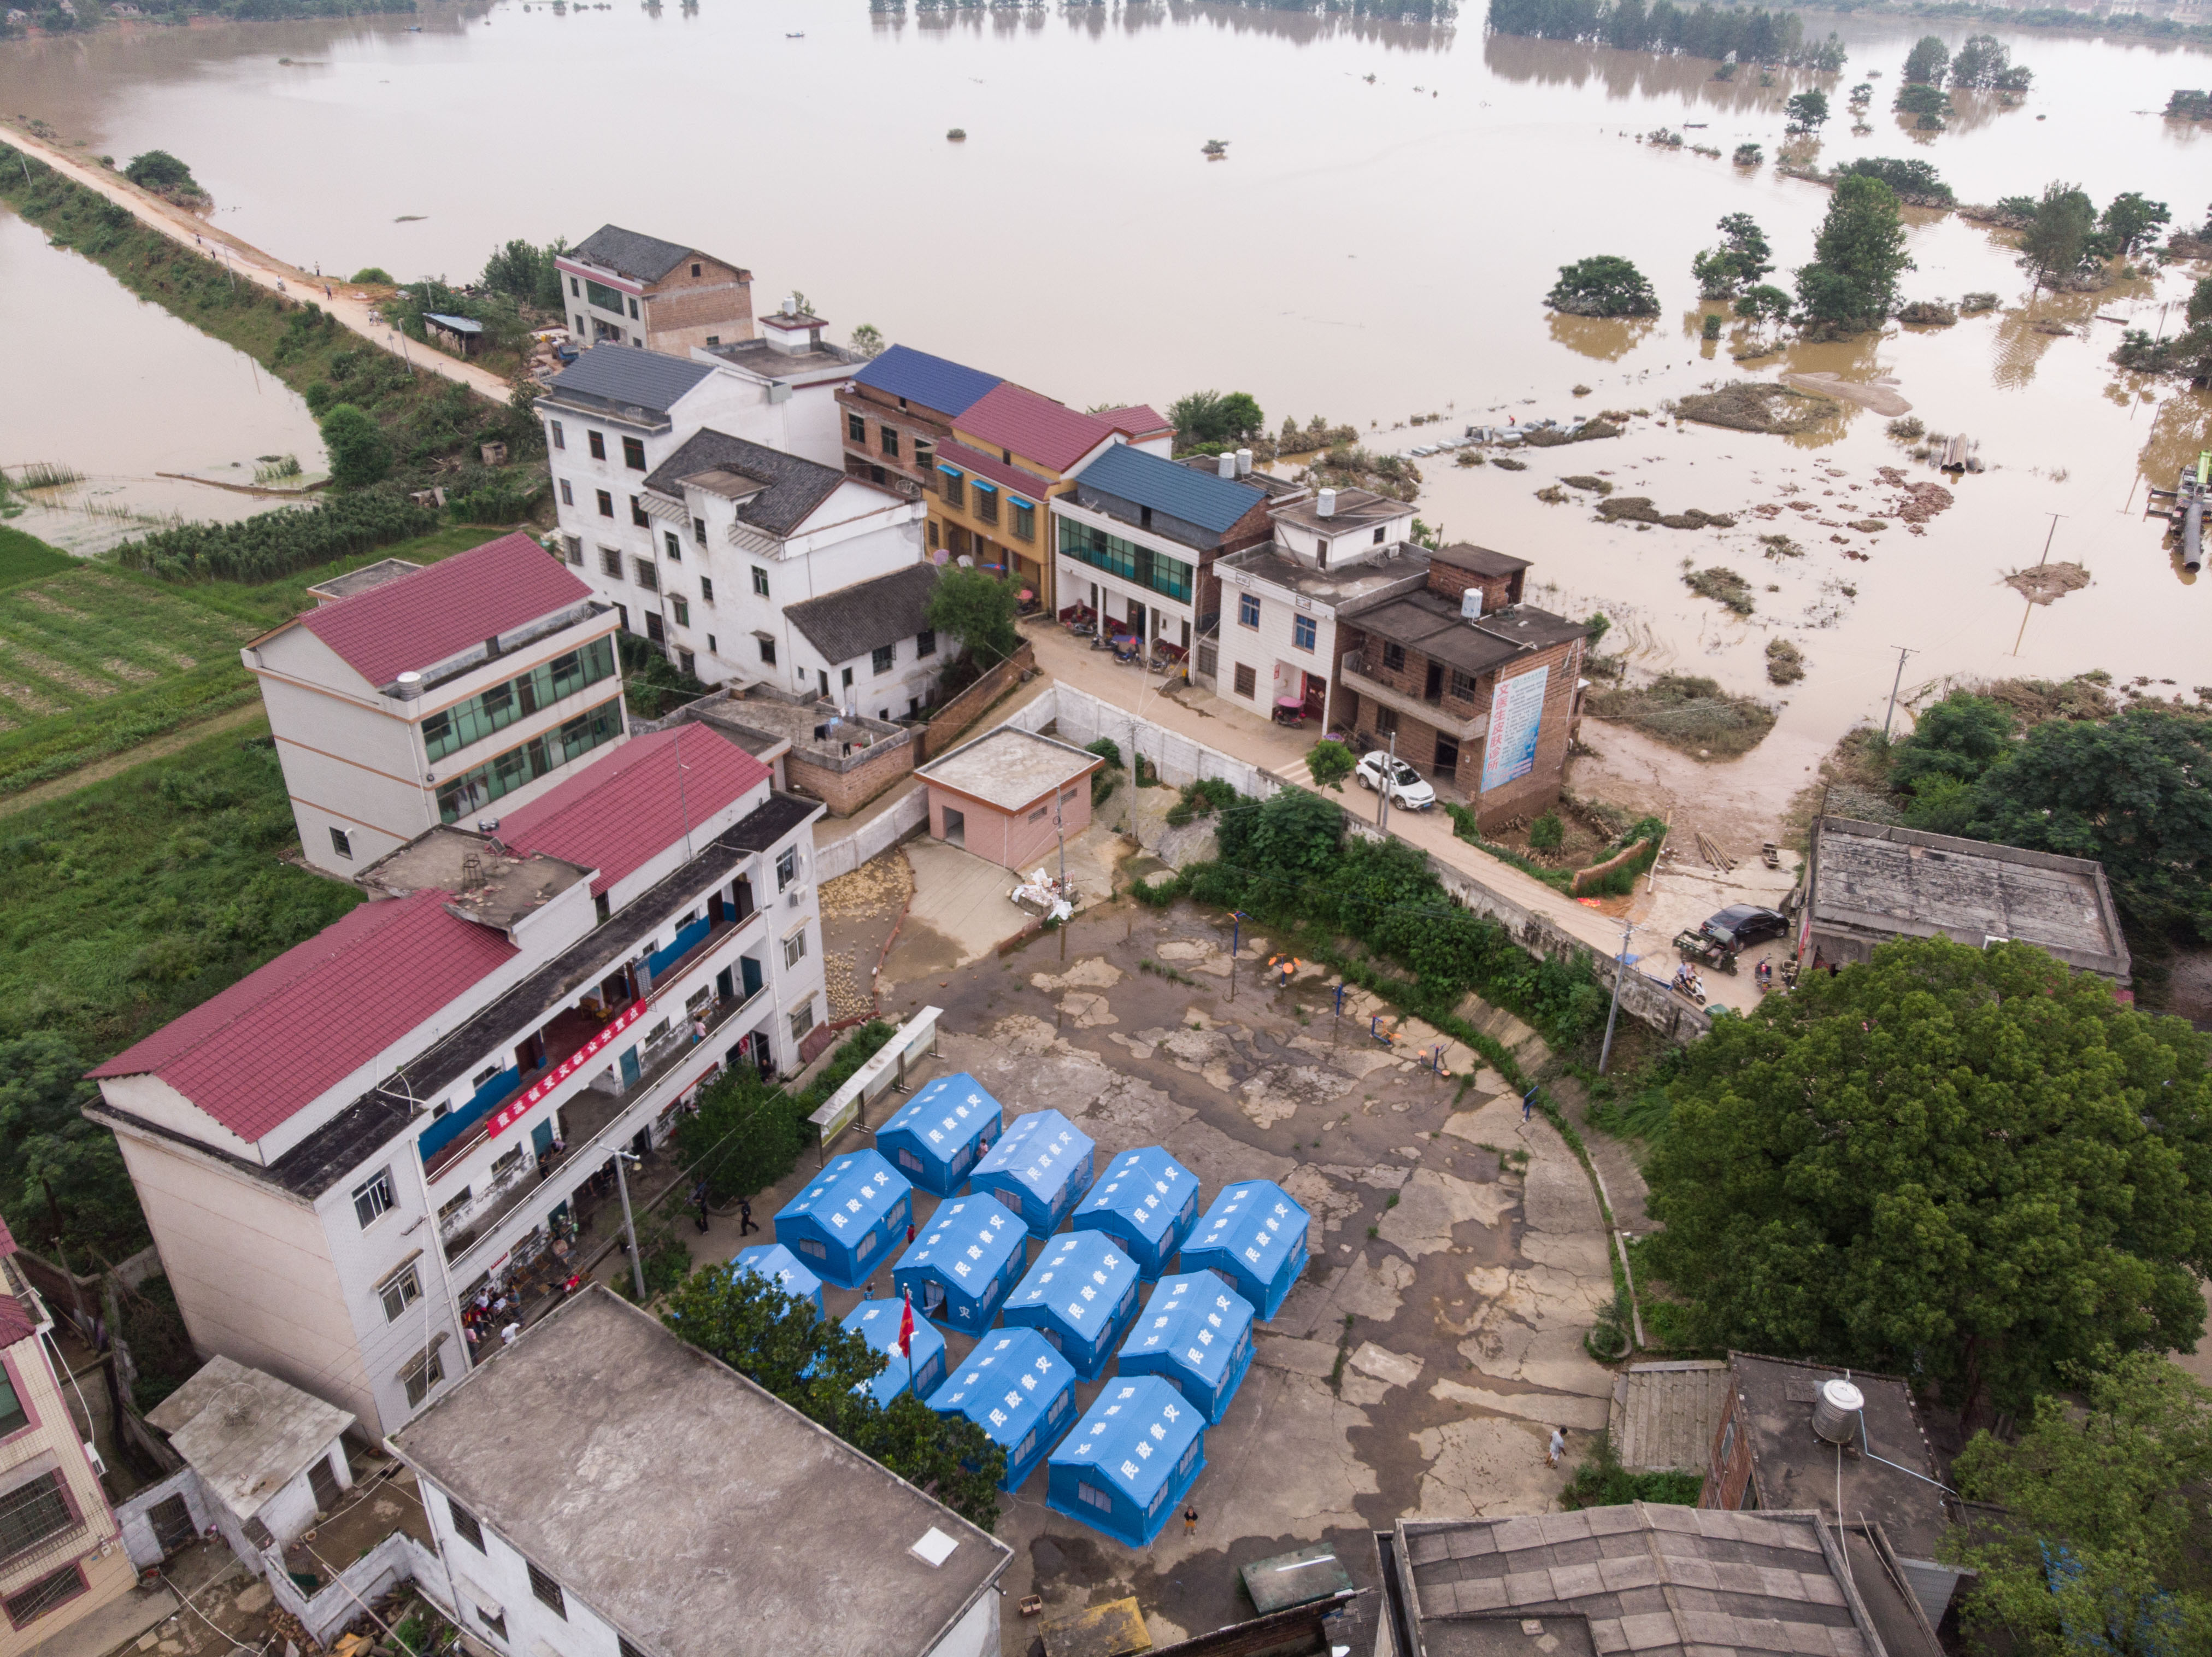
1190 1520
910 1234
745 1216
699 1200
1557 1448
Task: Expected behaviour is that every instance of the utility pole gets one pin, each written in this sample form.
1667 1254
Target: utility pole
1620 972
629 1226
1060 834
1901 654
1389 777
2055 517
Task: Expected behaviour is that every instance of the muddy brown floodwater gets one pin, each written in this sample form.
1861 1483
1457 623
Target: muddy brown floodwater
1396 201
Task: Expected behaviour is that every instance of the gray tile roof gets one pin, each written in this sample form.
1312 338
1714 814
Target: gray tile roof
639 257
627 376
792 485
868 615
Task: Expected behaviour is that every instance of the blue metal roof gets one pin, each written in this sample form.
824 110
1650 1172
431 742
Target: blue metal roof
933 382
781 1267
1007 1385
1134 1433
1038 1152
1256 1221
945 1114
631 375
1181 491
1080 1279
851 1194
970 1240
1196 1321
1146 1187
877 1322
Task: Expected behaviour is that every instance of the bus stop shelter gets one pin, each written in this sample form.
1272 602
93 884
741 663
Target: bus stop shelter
1019 1391
961 1268
1195 1332
842 1225
1147 1201
1254 1235
921 1372
935 1137
1079 1295
1129 1461
1041 1170
784 1270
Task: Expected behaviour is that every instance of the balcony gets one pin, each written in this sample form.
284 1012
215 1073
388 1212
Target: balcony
1431 712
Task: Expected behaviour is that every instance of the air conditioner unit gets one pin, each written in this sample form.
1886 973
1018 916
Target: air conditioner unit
795 897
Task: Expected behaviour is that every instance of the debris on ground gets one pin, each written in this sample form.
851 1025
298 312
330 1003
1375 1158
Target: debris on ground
1781 546
1639 509
1869 526
879 886
1723 585
2048 582
1596 486
1552 494
1758 405
1047 898
1511 465
1918 502
1552 436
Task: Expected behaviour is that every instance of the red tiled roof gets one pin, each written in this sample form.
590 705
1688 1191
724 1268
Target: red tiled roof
7 1238
1035 428
16 1323
625 809
1022 483
420 619
1138 420
283 1036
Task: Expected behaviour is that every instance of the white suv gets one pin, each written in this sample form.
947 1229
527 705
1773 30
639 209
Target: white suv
1407 788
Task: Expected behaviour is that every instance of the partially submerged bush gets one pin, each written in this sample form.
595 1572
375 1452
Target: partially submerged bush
1688 712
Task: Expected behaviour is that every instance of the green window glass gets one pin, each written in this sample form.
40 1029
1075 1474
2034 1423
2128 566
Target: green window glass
606 298
1087 544
480 785
455 728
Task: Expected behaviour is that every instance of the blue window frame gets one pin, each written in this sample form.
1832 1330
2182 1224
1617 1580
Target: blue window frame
1247 610
1302 632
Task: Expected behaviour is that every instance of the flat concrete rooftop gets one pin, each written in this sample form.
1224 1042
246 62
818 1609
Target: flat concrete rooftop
769 720
1345 587
247 1434
497 889
361 580
1011 768
687 1507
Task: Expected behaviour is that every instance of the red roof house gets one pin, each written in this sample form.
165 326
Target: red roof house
1035 428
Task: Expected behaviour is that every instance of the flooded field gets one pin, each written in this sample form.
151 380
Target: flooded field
1395 203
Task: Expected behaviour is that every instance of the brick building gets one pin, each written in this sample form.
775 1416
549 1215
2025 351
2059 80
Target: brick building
627 289
897 412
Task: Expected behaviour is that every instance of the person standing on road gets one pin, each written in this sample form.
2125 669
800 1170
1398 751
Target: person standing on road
745 1216
1190 1520
1557 1448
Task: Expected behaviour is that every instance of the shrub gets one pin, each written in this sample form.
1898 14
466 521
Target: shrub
273 544
1329 762
1547 833
1602 285
157 169
373 276
359 452
1108 750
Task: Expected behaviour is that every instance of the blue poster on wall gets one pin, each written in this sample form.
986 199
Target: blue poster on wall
1516 715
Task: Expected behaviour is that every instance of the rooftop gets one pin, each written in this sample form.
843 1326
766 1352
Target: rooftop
1661 1581
1901 882
1478 560
1027 484
486 883
1665 1413
254 1056
637 256
1035 428
1011 768
361 580
247 1434
771 362
627 381
1275 488
778 491
934 382
1426 622
1343 586
681 1501
867 615
763 721
1792 1468
1356 508
417 618
1201 498
1138 420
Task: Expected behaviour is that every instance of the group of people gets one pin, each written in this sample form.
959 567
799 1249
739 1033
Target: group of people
494 1312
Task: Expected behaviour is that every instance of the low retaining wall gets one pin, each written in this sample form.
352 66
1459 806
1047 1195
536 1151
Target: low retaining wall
1083 718
1597 872
956 715
398 1558
846 853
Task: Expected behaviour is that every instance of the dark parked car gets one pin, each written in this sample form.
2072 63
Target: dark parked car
1742 925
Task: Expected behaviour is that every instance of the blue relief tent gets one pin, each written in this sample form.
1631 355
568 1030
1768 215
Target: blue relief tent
1197 1333
877 1322
1146 1201
1130 1459
784 1269
935 1137
961 1268
1018 1391
1256 1236
1041 1170
842 1225
1081 1296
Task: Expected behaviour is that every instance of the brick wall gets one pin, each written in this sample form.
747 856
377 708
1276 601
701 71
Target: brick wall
1533 794
845 791
1727 1465
1498 591
958 715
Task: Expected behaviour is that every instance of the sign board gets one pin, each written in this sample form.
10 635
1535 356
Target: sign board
513 1111
909 1044
1516 715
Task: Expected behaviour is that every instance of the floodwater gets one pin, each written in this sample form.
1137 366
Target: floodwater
120 390
1395 203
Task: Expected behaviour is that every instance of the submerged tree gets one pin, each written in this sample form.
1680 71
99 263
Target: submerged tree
1984 64
1925 63
2131 222
1602 285
1856 258
2057 241
1807 110
1738 262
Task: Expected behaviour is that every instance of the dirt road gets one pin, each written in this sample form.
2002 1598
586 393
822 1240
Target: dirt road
252 264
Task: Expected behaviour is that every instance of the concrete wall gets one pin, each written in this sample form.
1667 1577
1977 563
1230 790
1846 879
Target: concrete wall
398 1558
976 1633
846 790
138 1538
854 847
958 715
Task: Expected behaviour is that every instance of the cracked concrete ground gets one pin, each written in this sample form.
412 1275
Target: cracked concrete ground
1457 1253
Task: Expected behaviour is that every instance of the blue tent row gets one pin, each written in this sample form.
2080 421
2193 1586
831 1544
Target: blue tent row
937 1135
1254 1236
1041 1170
1080 1294
782 1268
843 1223
1196 1333
961 1268
1019 1391
1146 1201
1129 1459
921 1371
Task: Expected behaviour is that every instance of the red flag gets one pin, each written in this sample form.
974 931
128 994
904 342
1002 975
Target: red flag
906 1327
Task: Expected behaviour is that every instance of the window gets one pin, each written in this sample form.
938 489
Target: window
568 495
1462 684
573 291
637 514
655 629
888 439
1247 681
1116 557
712 649
1302 632
1394 657
606 504
808 1245
683 610
673 543
699 530
706 590
849 679
794 947
324 1483
1321 551
687 662
648 575
634 453
31 1513
1386 721
31 1602
803 1020
606 298
609 559
925 454
1037 816
548 1591
399 1291
883 657
622 1648
495 1625
760 581
573 546
1247 610
420 1376
597 442
479 786
560 438
1021 518
786 868
372 1199
633 311
955 487
695 277
13 1418
341 843
856 427
924 642
1094 1495
987 502
767 648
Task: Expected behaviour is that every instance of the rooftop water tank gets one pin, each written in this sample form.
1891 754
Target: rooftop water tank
1836 1411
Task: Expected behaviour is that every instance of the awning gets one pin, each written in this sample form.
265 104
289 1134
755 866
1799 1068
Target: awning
486 1605
1018 501
951 471
984 486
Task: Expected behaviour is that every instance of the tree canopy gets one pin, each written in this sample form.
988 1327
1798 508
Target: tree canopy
2056 242
977 608
1857 256
157 169
1739 263
1807 109
1984 64
1925 63
526 273
1971 1165
359 452
1907 178
1215 417
2099 1547
1602 285
2131 222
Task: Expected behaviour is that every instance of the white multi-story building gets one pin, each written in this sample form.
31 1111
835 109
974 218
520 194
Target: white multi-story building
338 1153
414 696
